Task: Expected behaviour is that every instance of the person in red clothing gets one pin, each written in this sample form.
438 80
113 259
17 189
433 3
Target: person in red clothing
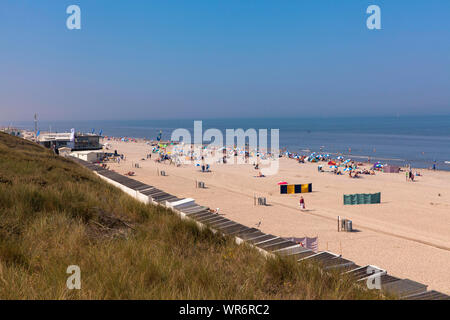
302 203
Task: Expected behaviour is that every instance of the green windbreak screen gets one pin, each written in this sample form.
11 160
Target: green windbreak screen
362 198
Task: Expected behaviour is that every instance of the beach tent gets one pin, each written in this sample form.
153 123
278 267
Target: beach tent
391 169
306 242
295 188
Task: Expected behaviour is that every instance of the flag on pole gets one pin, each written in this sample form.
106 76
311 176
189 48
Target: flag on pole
38 133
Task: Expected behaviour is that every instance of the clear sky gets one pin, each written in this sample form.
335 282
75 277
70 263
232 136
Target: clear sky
230 58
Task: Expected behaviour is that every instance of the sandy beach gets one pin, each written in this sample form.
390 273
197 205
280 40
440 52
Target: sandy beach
408 234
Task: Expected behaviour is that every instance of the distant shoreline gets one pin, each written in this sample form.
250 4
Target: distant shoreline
347 156
418 141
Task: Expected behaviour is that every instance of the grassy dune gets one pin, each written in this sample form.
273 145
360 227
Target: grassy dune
54 213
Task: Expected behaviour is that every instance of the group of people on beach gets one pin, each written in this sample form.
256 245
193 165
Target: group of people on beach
410 175
205 168
355 175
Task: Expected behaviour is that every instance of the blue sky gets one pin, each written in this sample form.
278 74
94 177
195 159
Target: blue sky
235 58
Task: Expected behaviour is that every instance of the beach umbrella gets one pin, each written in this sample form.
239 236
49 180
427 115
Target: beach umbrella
282 182
331 163
333 167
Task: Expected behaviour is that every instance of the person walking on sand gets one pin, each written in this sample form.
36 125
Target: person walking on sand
302 203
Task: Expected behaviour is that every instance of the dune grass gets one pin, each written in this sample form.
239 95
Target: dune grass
55 213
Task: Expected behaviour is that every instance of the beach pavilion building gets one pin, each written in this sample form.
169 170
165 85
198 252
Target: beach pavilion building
77 142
